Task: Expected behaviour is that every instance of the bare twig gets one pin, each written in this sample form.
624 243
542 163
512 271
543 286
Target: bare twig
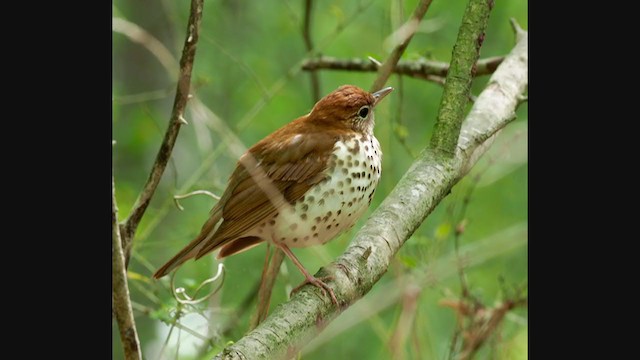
420 69
306 35
268 280
405 321
466 52
120 289
177 120
406 32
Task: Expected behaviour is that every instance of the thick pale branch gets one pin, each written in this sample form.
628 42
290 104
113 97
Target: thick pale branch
177 120
409 30
412 68
455 96
120 290
367 258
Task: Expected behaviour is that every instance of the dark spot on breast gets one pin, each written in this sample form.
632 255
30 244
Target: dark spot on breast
263 224
272 222
350 204
305 207
348 180
282 239
328 227
366 148
340 183
306 238
349 157
329 213
293 226
295 239
356 163
345 171
313 228
352 189
311 199
369 176
317 219
321 202
315 235
340 162
349 164
341 192
303 216
339 212
358 188
363 174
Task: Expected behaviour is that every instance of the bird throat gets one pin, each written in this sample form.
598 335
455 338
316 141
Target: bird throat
333 205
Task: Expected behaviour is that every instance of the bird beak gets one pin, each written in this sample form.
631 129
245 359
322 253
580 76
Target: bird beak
380 94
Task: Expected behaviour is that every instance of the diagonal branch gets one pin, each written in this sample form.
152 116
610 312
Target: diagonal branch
421 189
420 69
455 95
406 31
177 120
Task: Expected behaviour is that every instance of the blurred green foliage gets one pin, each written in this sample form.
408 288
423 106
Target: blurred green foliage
247 73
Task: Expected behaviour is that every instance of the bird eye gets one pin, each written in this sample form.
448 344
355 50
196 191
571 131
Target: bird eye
363 112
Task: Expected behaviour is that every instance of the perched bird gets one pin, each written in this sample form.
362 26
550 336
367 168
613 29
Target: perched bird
303 185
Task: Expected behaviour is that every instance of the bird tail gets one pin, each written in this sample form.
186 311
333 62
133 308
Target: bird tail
191 250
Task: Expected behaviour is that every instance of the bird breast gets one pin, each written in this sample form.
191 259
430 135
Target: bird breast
335 204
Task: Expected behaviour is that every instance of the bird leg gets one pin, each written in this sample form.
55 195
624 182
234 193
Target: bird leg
309 279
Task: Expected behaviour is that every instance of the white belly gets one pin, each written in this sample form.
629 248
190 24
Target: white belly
334 205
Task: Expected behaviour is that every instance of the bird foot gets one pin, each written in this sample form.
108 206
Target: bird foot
319 283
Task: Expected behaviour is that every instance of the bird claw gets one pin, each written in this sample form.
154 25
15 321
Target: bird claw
319 283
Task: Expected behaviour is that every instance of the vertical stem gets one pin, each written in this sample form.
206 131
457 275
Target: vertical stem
120 289
306 34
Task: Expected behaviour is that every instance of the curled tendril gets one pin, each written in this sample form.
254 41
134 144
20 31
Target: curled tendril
197 192
180 294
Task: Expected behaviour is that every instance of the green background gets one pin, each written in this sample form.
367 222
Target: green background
247 73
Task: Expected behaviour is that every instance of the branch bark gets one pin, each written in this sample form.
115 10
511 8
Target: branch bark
129 226
120 289
412 68
367 258
410 27
455 96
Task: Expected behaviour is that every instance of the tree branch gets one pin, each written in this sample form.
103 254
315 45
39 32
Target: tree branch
466 52
130 225
120 290
406 31
420 69
306 35
367 258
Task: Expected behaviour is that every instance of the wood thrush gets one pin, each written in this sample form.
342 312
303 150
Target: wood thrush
303 185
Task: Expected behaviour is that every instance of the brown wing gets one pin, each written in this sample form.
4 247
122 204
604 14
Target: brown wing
270 174
278 169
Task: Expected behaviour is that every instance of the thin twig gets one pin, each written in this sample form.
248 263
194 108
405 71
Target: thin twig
410 26
306 35
177 120
267 281
120 289
197 192
420 69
